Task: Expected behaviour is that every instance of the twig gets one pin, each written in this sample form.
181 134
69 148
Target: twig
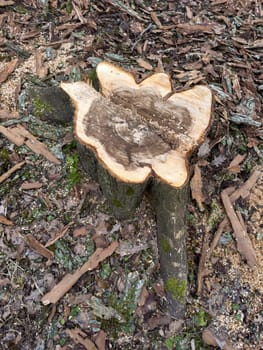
244 244
59 235
243 192
70 279
11 171
141 35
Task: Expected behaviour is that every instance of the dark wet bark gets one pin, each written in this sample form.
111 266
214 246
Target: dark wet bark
123 197
169 205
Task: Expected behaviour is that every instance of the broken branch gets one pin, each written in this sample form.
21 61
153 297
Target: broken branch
70 279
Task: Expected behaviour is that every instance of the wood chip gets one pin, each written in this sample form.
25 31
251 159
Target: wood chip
31 185
202 270
244 244
12 136
38 247
35 145
40 148
41 68
80 337
144 64
6 115
11 171
196 187
100 340
210 338
6 3
234 166
234 195
8 69
5 221
186 28
70 279
156 20
244 190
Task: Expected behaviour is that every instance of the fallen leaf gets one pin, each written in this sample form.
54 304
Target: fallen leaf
80 231
5 282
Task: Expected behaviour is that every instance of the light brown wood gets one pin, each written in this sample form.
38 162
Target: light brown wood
140 130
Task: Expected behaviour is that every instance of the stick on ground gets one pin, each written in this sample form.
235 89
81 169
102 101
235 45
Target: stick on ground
69 280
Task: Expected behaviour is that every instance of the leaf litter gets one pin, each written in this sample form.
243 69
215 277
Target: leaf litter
216 43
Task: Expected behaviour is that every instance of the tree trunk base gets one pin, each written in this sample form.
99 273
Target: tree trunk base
169 205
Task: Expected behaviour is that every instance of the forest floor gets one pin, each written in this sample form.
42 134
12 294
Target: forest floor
53 217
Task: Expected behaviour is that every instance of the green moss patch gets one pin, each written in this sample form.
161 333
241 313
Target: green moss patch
177 288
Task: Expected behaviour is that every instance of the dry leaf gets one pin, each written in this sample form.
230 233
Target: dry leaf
80 231
196 188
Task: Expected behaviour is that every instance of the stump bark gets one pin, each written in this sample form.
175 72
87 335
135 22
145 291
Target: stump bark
169 205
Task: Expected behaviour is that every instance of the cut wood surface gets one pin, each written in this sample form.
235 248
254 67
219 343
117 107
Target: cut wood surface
140 130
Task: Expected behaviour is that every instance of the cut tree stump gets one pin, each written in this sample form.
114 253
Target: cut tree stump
136 139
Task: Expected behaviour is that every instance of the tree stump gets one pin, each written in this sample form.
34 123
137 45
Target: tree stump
136 139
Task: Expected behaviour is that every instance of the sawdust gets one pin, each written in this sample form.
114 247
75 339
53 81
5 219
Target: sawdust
10 89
